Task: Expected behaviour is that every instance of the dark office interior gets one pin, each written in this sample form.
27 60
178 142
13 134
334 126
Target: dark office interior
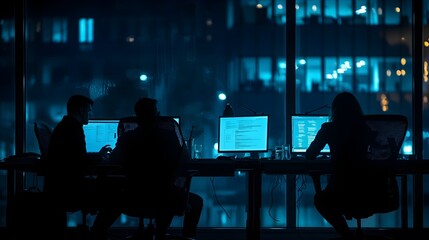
261 57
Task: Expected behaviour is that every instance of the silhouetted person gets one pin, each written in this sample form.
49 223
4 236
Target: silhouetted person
348 138
148 155
67 164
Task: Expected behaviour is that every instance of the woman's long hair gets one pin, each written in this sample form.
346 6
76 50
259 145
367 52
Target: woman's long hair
346 108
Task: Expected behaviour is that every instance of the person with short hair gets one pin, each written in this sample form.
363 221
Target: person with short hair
67 163
148 156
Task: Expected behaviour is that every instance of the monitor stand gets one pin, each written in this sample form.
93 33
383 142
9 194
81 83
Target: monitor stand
254 155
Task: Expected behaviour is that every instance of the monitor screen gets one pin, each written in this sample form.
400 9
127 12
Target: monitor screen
243 134
100 132
304 130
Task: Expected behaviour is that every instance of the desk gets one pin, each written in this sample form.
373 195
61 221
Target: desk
402 169
205 167
254 168
309 166
218 168
15 167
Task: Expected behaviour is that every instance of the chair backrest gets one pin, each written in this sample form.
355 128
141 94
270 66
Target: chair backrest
183 156
165 122
126 123
168 123
390 131
382 194
43 135
178 152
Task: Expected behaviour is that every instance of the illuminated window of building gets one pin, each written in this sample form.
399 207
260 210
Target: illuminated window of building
7 30
86 30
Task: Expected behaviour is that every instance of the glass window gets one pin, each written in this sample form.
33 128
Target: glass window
362 60
7 96
86 30
425 120
185 53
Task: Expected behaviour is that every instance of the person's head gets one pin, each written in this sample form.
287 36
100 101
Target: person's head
146 110
345 107
80 107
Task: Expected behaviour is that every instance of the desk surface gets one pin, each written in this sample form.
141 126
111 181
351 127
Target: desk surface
216 167
255 168
293 166
29 163
323 166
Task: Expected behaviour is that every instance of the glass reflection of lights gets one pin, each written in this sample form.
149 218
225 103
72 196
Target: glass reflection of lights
221 96
143 77
407 148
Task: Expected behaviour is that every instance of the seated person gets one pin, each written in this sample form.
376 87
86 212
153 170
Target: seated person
67 162
348 138
153 181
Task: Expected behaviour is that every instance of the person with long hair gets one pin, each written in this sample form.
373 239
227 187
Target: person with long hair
348 138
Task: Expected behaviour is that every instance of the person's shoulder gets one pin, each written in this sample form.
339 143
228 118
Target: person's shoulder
327 125
63 126
68 122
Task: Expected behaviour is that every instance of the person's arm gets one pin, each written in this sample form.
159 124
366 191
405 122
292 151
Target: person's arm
115 153
314 149
105 151
318 143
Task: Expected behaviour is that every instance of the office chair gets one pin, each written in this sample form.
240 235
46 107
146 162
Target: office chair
148 212
126 124
43 134
379 192
390 133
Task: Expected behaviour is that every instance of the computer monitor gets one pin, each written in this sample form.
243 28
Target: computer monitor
304 130
100 132
243 134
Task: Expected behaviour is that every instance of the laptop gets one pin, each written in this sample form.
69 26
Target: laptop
304 130
99 133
